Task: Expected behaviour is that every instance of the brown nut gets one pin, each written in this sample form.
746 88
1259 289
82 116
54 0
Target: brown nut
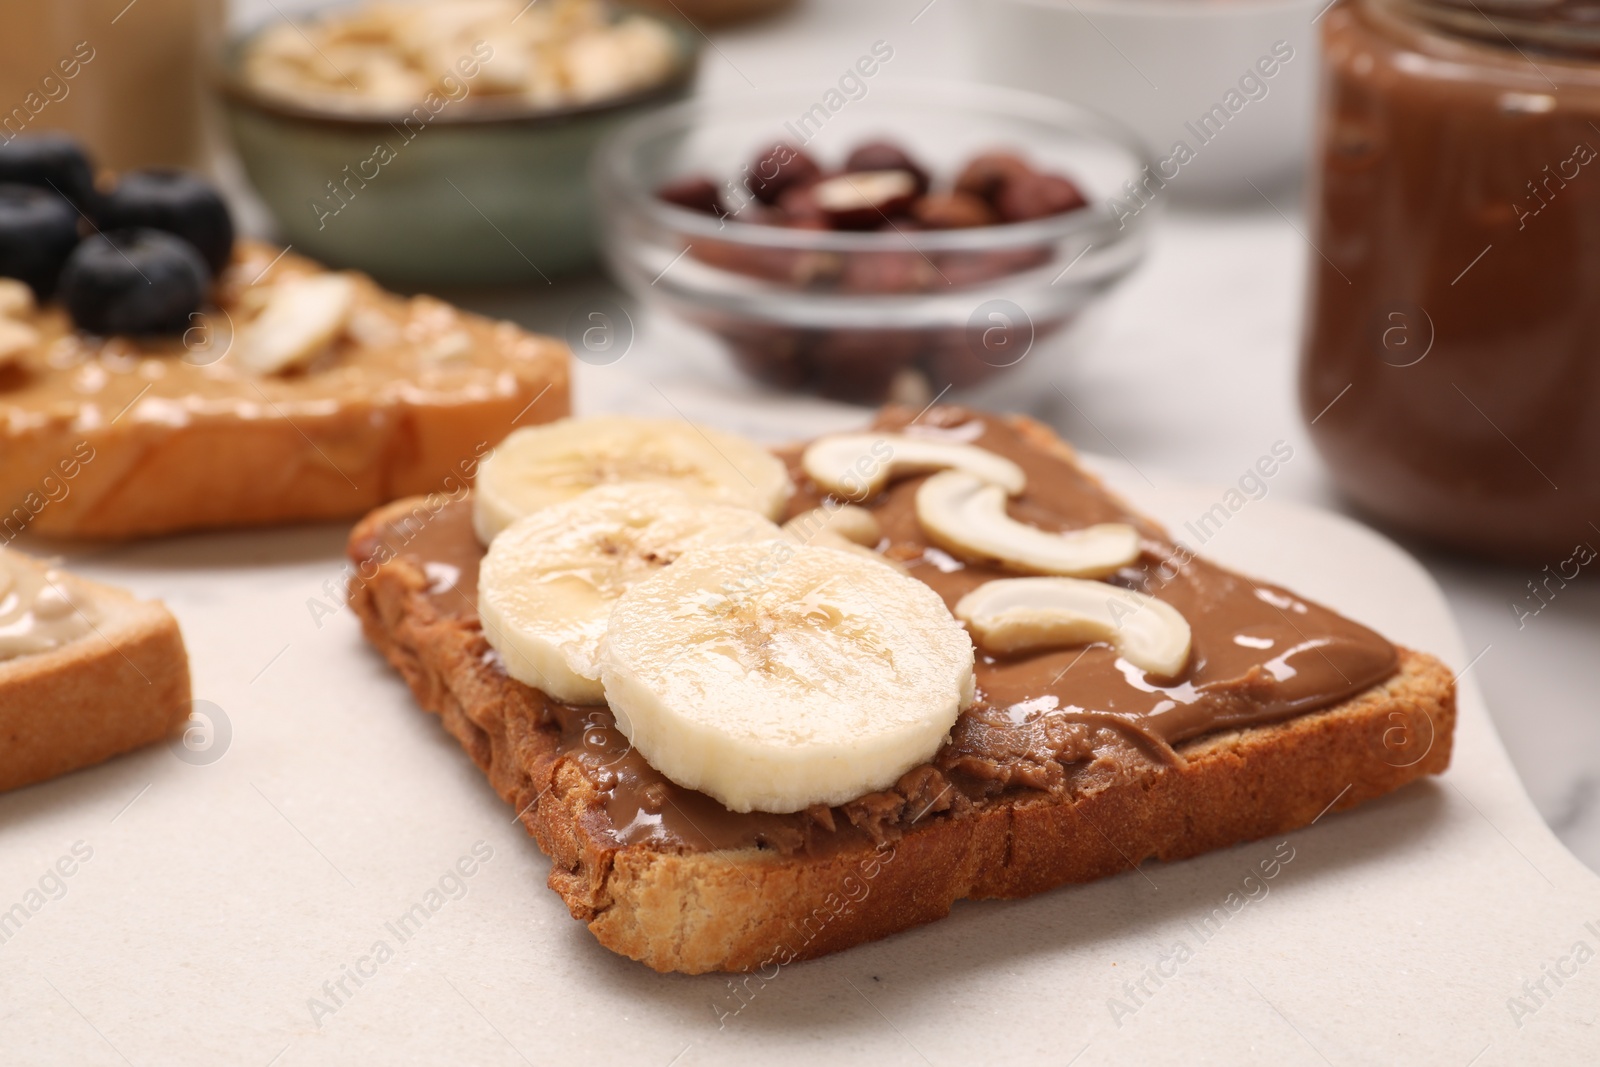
886 155
778 168
863 200
952 211
986 173
799 209
696 192
1036 196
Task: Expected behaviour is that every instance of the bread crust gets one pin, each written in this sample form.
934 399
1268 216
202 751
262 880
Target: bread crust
752 909
110 692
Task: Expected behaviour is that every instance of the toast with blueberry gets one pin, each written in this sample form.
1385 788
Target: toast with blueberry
189 380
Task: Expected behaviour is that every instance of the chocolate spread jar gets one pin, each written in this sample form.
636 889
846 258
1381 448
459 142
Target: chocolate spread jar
1451 370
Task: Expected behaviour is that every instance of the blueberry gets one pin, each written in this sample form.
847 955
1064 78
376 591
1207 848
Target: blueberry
134 282
50 161
38 231
175 201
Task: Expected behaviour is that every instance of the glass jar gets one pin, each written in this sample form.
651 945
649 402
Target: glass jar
1451 365
125 78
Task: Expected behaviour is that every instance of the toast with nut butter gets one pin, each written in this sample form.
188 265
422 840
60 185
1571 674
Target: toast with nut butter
758 707
87 671
189 380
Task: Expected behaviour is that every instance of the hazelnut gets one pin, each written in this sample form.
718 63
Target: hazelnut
778 168
984 175
886 155
1037 196
696 193
862 200
952 211
799 209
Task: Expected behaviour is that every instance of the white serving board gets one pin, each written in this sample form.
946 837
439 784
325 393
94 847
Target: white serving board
221 896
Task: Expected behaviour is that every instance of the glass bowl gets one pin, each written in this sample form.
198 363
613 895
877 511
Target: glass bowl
897 313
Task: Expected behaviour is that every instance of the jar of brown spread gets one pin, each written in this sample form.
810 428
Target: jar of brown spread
1451 369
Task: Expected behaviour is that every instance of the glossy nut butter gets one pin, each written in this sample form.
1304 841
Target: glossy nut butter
41 609
419 350
1451 369
1052 721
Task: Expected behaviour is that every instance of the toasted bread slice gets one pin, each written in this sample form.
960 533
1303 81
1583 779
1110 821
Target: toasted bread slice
696 906
122 684
112 438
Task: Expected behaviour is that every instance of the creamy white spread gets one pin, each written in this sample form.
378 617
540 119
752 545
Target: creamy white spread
41 608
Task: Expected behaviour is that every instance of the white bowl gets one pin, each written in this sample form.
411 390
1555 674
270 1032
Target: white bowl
1161 66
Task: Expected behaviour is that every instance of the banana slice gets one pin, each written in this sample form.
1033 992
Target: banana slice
965 515
542 465
857 466
546 587
775 676
302 317
1028 614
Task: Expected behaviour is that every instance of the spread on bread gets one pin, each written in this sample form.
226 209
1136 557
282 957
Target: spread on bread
41 609
385 57
1070 688
347 339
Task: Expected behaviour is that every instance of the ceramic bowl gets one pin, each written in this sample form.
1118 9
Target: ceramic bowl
475 193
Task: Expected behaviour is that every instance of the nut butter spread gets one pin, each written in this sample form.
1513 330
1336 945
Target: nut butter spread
1451 371
418 351
1056 721
40 609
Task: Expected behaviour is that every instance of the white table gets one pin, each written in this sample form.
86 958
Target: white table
225 896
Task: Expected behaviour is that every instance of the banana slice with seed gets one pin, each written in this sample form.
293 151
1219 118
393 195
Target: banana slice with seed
542 465
548 583
965 515
857 466
775 676
1029 614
